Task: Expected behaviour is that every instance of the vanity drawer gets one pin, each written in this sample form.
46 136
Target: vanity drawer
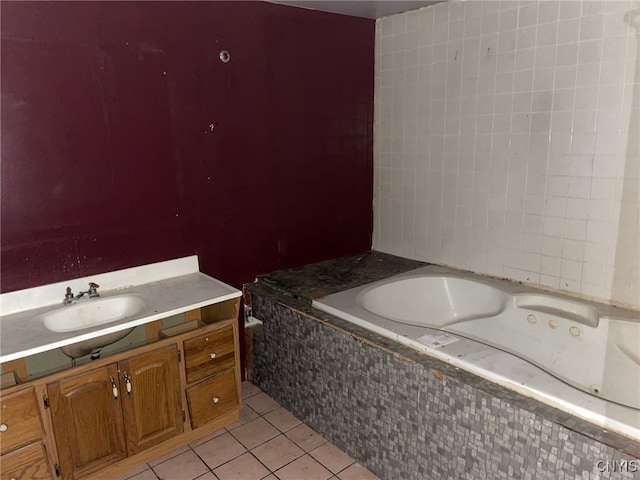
20 421
209 354
212 398
26 463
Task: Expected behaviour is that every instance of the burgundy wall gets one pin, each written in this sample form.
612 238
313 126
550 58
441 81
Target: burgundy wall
108 160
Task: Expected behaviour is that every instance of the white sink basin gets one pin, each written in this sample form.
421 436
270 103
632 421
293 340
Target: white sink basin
93 312
94 345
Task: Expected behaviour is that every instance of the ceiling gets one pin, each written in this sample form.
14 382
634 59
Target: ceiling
361 8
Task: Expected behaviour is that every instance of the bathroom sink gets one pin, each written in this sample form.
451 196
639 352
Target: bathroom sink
94 345
90 313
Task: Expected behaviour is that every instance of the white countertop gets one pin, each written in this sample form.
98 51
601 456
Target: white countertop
167 288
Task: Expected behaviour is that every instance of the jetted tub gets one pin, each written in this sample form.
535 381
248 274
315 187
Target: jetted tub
580 356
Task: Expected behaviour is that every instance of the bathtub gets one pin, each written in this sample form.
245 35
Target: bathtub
579 356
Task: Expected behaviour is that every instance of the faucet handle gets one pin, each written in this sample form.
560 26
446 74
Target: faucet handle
93 290
68 296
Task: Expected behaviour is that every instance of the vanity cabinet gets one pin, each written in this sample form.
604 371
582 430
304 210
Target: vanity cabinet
99 418
106 414
103 418
21 437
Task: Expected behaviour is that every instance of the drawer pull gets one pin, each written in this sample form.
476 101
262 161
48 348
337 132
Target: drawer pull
213 355
4 427
216 399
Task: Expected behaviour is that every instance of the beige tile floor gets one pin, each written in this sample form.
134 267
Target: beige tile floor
267 443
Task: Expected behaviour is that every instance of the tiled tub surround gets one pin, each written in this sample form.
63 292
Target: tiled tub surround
506 141
405 414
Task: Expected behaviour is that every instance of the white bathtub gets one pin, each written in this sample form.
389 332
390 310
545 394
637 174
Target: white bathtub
579 356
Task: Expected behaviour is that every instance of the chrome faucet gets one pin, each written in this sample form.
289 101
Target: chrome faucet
92 292
70 298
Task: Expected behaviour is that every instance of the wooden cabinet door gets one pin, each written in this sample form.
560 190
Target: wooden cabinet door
151 398
86 413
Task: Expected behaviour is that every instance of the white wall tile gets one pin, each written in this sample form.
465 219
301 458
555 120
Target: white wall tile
507 142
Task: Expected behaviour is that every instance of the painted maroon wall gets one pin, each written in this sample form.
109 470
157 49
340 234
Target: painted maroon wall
109 161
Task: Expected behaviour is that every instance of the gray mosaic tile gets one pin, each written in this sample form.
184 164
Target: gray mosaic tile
404 416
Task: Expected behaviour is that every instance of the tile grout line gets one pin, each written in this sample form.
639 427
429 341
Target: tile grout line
314 459
211 469
271 472
205 473
289 429
248 450
205 463
354 461
281 432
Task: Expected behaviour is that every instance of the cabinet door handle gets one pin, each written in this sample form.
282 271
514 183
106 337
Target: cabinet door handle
213 355
127 380
4 427
114 388
216 399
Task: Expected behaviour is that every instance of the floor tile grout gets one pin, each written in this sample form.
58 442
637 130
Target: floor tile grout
280 432
223 463
283 431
